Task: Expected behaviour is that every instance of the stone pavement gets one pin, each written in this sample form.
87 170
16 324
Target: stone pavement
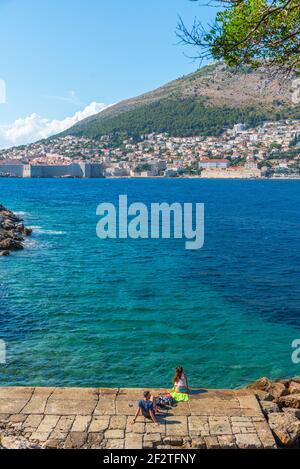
102 418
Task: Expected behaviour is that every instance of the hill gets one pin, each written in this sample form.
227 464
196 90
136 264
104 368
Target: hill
203 103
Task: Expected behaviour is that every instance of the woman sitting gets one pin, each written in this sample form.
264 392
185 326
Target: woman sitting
180 392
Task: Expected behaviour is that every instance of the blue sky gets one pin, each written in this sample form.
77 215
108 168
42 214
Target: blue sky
59 56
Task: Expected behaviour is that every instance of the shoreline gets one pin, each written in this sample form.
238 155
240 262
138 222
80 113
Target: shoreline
12 232
163 178
263 415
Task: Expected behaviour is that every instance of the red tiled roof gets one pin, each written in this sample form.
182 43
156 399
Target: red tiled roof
11 162
212 160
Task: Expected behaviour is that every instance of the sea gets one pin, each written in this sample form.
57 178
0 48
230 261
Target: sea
76 310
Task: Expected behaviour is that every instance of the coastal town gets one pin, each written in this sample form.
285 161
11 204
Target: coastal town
269 150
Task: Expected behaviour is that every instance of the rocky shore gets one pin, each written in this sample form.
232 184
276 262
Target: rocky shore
280 403
12 232
264 415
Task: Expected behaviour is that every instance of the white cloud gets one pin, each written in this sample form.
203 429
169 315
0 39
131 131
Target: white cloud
32 128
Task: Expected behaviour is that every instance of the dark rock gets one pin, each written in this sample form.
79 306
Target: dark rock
8 225
20 228
14 235
10 216
269 407
263 395
278 389
10 245
285 427
293 400
27 231
261 384
12 231
294 387
275 389
291 411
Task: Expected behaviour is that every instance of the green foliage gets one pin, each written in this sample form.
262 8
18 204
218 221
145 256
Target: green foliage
275 146
249 32
286 155
237 161
143 167
182 118
252 30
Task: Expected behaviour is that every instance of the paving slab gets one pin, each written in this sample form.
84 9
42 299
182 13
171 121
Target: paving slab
118 422
99 424
102 418
15 392
81 394
81 423
106 406
219 426
126 407
12 406
65 424
177 426
35 406
115 444
133 441
42 392
69 406
138 427
33 421
108 391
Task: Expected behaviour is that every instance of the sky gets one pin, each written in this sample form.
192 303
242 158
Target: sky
63 60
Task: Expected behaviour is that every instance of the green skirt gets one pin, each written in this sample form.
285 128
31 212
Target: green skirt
179 396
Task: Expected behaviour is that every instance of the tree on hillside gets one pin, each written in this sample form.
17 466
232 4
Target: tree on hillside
248 32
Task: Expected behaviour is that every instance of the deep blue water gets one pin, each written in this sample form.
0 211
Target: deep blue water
76 310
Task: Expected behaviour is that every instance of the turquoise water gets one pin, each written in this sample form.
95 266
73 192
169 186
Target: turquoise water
79 311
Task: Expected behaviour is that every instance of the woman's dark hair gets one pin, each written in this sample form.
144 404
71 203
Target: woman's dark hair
178 374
